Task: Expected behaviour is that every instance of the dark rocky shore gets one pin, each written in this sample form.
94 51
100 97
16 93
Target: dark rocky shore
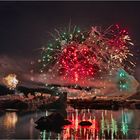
108 104
32 99
24 103
54 102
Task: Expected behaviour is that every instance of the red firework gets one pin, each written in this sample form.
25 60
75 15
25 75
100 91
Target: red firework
77 61
78 55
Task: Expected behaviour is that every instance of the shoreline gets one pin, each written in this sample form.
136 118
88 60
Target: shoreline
47 102
107 104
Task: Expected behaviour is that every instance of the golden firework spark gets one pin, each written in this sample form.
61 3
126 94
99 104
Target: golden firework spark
11 81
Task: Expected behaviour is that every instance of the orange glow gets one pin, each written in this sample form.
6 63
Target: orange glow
10 120
10 81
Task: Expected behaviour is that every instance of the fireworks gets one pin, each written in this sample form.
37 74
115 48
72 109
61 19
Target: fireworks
10 81
124 80
84 55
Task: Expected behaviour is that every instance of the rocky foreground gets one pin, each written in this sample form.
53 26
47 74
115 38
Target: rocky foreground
24 103
100 103
131 101
46 101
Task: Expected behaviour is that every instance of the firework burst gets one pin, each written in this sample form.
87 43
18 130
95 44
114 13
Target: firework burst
84 55
10 81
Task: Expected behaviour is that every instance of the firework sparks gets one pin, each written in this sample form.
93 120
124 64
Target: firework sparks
84 55
10 81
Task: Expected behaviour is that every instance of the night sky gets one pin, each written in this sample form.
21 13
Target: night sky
25 26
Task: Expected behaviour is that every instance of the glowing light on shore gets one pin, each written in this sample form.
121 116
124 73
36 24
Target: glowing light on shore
11 81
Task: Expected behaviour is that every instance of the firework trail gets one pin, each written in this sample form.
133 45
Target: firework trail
83 55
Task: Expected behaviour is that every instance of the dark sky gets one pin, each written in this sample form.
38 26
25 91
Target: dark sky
24 26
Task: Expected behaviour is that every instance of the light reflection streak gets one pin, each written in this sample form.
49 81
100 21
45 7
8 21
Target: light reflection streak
105 125
124 126
10 119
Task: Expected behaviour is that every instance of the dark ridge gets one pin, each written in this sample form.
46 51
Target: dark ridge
73 86
26 90
4 90
50 89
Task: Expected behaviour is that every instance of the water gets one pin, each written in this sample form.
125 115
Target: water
122 124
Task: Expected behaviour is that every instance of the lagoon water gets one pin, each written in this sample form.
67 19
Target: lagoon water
106 124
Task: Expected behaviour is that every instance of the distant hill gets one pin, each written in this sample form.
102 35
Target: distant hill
135 96
50 89
4 90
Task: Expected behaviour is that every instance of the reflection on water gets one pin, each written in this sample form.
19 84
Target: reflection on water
10 120
123 124
105 124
